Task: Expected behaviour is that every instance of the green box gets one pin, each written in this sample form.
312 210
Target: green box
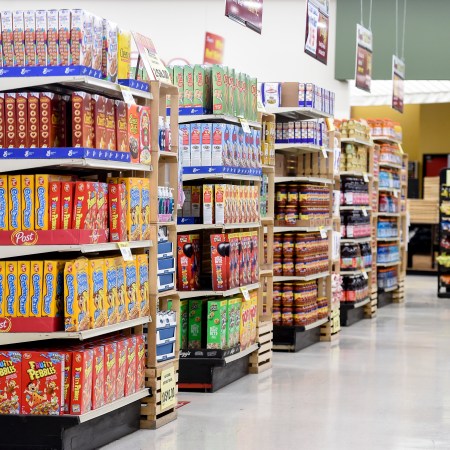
226 81
253 105
183 324
216 333
218 89
188 77
170 72
195 324
237 320
231 83
178 80
200 87
208 87
230 322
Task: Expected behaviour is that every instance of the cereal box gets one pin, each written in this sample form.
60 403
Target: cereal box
244 327
22 120
253 316
99 111
67 199
218 89
208 87
234 277
101 220
206 144
219 202
144 135
218 146
15 208
140 362
121 290
82 120
188 81
76 292
133 212
11 121
64 36
110 126
3 281
4 203
54 188
18 37
85 206
216 335
183 323
185 142
117 213
10 382
220 255
33 119
41 37
189 262
111 291
122 353
133 131
110 44
131 367
50 112
81 381
97 43
132 299
42 383
143 284
196 149
121 125
196 194
2 119
178 80
98 377
208 203
23 284
200 87
11 288
195 324
111 363
53 58
124 54
67 379
9 59
50 284
36 288
97 302
145 209
230 323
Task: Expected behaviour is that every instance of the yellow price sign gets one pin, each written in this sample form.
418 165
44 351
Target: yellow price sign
330 124
401 149
168 389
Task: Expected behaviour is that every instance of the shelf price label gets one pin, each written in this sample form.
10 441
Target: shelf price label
366 177
245 125
127 95
324 152
395 194
323 233
168 385
330 124
245 293
364 211
364 274
125 249
401 149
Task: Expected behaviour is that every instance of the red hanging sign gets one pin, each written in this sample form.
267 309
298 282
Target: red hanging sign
214 46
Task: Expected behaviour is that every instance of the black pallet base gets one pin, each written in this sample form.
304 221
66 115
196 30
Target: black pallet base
350 315
201 374
290 339
431 273
384 299
66 433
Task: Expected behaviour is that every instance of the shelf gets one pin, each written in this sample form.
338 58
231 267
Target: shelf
294 147
302 328
355 305
220 176
392 288
168 155
388 189
352 173
385 214
386 139
9 165
307 278
355 272
11 251
234 291
16 338
298 112
215 118
306 179
267 220
170 293
361 240
390 165
241 354
357 141
392 239
390 264
299 229
266 273
354 208
226 226
268 169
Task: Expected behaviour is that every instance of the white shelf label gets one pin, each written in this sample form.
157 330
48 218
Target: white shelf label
401 149
323 233
245 125
364 211
324 152
366 177
395 194
125 250
364 274
245 293
127 95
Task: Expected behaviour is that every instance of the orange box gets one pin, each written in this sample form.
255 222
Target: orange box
117 213
140 362
133 213
98 377
121 290
54 189
133 294
143 284
2 288
133 132
67 380
22 119
67 199
15 210
111 291
97 293
11 288
36 288
111 363
130 381
23 284
42 383
10 382
4 203
122 358
27 202
41 199
81 381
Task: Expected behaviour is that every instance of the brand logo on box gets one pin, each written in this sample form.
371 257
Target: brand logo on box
24 237
94 236
5 325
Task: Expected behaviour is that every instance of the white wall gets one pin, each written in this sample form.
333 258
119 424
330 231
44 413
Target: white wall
178 27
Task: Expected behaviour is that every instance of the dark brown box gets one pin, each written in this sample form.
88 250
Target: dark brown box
2 120
63 131
99 110
110 131
33 119
49 119
11 123
22 119
121 126
82 120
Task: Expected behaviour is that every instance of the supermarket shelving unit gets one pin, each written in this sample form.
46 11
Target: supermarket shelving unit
443 271
106 424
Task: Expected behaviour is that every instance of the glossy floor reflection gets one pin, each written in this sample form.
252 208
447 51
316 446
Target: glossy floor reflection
383 385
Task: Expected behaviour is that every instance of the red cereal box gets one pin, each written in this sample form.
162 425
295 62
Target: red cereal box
102 206
220 256
33 119
41 37
122 349
99 111
81 381
130 381
111 363
85 198
50 113
98 377
11 121
67 380
2 121
82 120
42 383
121 126
54 220
117 213
10 382
234 260
189 262
140 363
67 199
110 128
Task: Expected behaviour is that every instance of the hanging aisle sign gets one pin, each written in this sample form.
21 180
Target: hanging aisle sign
214 45
363 75
317 24
398 83
245 12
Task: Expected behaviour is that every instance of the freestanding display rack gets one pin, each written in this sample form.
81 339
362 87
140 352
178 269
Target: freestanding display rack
444 232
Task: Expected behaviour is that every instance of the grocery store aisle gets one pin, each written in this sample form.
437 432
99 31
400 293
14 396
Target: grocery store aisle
383 385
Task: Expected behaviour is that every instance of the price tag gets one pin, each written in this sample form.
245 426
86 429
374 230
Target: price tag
125 250
324 152
245 125
366 177
168 384
364 211
396 194
364 274
260 106
245 293
330 124
401 149
323 233
127 95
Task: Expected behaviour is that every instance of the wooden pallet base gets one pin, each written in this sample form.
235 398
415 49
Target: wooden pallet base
159 420
370 310
330 331
261 360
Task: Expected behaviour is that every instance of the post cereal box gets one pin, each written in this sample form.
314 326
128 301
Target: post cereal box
82 120
54 188
81 381
41 199
121 126
9 59
121 290
132 298
131 367
122 353
85 206
145 209
143 286
64 36
67 380
50 285
4 203
111 291
220 256
97 303
11 288
41 37
10 382
189 262
133 212
67 199
102 206
36 288
42 383
195 324
14 193
76 292
216 336
111 363
3 281
23 284
140 362
117 213
27 202
98 377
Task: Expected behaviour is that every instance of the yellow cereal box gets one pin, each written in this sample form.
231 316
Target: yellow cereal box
11 288
253 314
27 202
36 283
121 290
132 297
49 289
145 208
23 284
133 212
76 295
2 288
111 291
14 194
97 292
60 288
4 203
124 54
41 202
144 295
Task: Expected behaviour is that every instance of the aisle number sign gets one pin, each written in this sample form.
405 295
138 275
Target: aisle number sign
168 385
398 83
364 48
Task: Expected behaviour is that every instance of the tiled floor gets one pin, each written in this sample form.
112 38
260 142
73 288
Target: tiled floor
384 384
